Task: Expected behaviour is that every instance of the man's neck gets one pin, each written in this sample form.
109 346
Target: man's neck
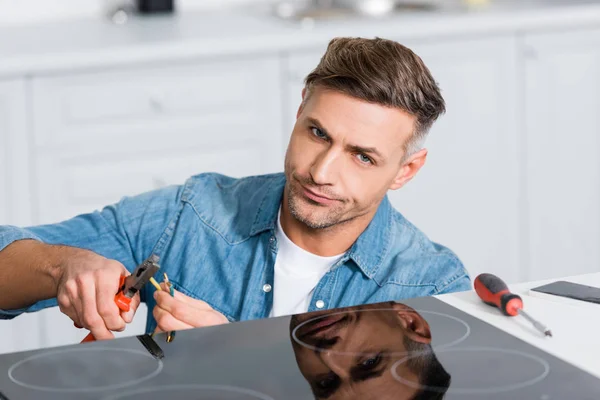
323 242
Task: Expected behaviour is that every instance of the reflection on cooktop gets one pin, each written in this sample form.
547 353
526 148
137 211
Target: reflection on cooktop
70 370
418 349
349 354
531 370
186 392
313 330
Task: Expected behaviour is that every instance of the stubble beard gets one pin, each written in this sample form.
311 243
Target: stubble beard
294 199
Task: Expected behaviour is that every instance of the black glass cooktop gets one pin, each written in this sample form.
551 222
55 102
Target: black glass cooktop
418 349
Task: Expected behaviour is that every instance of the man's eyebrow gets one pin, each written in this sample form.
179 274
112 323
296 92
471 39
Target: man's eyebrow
351 147
367 150
317 123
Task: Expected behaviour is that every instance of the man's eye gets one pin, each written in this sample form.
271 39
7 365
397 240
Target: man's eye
364 159
371 362
318 133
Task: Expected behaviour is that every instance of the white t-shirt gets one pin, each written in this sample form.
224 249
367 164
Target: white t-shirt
297 273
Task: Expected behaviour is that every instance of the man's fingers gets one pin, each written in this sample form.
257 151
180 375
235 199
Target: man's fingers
72 303
166 300
66 307
106 287
90 317
191 301
187 314
165 321
135 303
178 309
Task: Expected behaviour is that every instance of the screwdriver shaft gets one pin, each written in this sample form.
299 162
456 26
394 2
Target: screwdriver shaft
537 324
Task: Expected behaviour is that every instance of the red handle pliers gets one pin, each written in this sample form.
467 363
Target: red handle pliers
132 284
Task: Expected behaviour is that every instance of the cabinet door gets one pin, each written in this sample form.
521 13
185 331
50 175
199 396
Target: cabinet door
24 332
466 196
100 136
5 129
15 207
562 95
297 66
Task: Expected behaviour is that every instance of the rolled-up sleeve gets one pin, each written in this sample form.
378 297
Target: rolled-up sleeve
126 232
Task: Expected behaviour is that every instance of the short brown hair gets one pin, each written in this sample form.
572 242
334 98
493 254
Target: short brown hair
384 72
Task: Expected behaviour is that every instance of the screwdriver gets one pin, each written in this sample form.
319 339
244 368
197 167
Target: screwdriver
494 292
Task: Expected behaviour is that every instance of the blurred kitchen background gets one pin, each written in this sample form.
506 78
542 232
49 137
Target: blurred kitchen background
98 102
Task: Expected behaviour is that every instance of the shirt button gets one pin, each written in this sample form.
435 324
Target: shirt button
266 288
320 304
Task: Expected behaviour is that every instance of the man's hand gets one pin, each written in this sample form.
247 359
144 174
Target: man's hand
183 312
86 292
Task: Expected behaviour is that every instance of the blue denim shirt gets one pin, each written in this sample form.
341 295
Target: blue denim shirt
215 237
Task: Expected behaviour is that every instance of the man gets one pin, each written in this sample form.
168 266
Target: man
320 236
338 357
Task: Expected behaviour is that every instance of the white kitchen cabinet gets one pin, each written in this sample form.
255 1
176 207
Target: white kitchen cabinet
5 129
297 66
23 333
100 136
14 155
467 195
562 174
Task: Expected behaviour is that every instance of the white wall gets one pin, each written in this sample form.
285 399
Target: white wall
17 12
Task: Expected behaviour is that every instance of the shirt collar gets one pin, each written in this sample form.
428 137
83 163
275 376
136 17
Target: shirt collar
367 252
373 245
266 216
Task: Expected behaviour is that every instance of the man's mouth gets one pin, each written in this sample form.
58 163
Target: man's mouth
321 326
317 197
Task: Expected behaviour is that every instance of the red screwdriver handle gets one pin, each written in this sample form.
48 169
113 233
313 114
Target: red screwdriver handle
494 292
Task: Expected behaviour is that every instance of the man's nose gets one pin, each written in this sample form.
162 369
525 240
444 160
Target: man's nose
324 169
327 343
338 363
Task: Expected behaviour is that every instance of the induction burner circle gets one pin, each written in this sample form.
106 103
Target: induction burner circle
455 330
481 370
191 392
85 370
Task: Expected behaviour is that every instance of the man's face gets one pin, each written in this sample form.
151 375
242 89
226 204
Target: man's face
344 361
343 156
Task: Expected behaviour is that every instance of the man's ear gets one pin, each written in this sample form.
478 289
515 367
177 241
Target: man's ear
415 326
301 106
409 169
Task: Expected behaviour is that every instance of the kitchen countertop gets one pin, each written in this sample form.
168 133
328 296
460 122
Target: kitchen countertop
97 43
574 324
